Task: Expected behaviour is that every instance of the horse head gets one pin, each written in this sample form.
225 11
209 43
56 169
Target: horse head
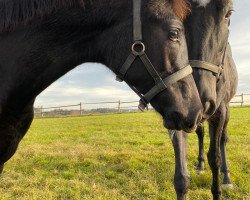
164 43
207 38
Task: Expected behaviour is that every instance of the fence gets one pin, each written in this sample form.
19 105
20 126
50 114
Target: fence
87 108
110 107
241 100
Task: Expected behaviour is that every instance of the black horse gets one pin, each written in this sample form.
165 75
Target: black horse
216 79
41 41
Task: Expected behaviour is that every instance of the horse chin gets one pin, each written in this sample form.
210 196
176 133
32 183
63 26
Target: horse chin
190 130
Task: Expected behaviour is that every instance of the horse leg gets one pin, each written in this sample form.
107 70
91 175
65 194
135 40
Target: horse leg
216 123
201 160
11 133
181 178
9 140
224 168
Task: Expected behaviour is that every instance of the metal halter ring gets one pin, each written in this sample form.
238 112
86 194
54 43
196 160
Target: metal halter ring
138 48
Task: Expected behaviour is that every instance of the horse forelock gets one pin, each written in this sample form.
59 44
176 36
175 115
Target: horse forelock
163 8
181 8
14 12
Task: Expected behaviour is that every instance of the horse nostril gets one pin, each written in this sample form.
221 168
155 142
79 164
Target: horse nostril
209 109
176 116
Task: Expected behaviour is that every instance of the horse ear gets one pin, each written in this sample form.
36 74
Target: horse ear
182 8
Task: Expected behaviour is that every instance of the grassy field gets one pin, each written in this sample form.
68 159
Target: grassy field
120 156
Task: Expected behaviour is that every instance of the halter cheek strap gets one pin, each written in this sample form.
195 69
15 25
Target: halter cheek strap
138 51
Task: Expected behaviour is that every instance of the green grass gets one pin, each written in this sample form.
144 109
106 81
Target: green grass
121 156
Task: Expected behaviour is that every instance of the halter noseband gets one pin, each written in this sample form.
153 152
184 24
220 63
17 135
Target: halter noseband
138 50
215 69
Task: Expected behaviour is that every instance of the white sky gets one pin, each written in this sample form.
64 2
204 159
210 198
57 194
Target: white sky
94 82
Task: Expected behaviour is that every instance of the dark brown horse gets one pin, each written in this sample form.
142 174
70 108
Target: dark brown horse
216 78
42 40
229 63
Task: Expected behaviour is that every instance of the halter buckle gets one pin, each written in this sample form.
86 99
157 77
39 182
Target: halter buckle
220 71
142 105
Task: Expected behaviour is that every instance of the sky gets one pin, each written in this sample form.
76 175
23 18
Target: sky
94 82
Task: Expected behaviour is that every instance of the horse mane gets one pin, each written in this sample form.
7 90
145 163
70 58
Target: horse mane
14 12
182 8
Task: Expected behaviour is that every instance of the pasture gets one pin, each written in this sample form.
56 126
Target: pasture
120 156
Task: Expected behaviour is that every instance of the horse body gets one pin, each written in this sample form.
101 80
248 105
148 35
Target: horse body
208 45
41 41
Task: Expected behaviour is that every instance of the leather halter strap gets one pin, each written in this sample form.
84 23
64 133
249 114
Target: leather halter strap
215 69
138 51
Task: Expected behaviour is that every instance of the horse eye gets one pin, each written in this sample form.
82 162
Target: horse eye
228 15
173 35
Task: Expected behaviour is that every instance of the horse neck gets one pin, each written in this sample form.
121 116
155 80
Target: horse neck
226 89
231 75
48 48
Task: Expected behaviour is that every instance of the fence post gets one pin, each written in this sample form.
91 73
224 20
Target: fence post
242 99
119 106
80 108
41 110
